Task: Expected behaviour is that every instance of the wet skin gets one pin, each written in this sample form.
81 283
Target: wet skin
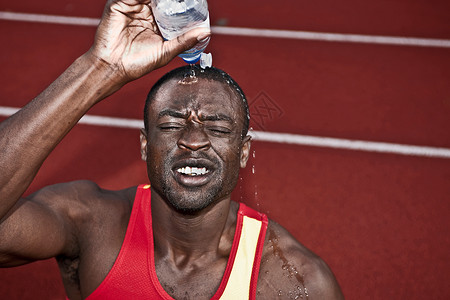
193 128
200 125
197 125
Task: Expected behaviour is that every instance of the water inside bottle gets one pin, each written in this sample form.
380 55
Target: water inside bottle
176 17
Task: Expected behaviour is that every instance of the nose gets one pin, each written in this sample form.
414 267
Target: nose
194 138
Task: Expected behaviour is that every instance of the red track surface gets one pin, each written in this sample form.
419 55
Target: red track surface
381 221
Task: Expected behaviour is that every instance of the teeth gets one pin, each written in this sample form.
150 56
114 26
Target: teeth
193 171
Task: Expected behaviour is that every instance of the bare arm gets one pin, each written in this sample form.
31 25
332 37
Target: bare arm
127 46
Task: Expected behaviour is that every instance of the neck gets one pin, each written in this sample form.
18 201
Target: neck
206 233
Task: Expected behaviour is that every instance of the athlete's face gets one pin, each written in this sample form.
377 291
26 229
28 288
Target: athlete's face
193 146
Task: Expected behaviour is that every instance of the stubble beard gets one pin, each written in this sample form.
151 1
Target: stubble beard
190 200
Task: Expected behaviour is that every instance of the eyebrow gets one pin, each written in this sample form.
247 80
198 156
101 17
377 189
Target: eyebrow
184 115
172 113
217 117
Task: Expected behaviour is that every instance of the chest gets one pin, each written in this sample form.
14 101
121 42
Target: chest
119 262
200 280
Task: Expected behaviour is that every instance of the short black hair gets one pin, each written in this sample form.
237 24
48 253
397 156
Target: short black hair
207 73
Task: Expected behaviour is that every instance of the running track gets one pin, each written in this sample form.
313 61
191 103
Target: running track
379 217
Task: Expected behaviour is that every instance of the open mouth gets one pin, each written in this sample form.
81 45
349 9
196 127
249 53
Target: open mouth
193 172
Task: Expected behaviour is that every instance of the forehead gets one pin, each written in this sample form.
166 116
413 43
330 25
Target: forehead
204 96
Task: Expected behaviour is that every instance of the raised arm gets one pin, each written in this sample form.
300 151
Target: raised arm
127 46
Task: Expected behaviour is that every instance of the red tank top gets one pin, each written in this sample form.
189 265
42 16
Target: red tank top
133 275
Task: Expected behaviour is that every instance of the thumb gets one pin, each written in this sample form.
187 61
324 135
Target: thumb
186 41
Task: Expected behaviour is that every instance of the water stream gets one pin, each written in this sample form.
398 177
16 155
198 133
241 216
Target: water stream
190 77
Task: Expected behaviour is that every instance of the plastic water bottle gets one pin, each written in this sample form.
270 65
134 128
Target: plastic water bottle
175 17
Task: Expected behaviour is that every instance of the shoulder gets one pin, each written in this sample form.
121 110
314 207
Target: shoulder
61 219
66 190
77 194
289 270
70 199
82 206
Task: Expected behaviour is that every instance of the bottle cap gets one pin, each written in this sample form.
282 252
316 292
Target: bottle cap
205 60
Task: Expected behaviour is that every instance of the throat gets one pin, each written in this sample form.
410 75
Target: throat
204 273
193 252
192 235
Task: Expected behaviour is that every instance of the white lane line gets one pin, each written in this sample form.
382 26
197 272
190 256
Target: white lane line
326 142
333 37
283 138
52 19
89 119
251 32
111 122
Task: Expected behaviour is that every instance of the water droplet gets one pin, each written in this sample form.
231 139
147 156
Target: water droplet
280 293
190 77
241 184
256 184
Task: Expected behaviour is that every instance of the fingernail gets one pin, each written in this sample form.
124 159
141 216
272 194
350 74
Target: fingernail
203 37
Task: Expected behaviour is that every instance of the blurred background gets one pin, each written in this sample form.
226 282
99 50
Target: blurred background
380 219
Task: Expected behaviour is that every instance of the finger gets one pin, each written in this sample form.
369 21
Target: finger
130 2
185 41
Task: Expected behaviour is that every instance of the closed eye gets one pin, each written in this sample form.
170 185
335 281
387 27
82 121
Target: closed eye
170 126
219 130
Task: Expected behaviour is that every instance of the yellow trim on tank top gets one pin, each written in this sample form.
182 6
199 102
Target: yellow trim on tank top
238 286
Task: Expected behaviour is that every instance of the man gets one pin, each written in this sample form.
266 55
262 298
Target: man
182 237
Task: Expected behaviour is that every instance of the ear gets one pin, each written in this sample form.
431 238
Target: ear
143 139
245 150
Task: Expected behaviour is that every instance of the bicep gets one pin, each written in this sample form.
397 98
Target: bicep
33 230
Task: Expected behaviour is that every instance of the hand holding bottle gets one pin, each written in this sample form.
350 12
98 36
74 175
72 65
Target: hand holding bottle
128 39
176 17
